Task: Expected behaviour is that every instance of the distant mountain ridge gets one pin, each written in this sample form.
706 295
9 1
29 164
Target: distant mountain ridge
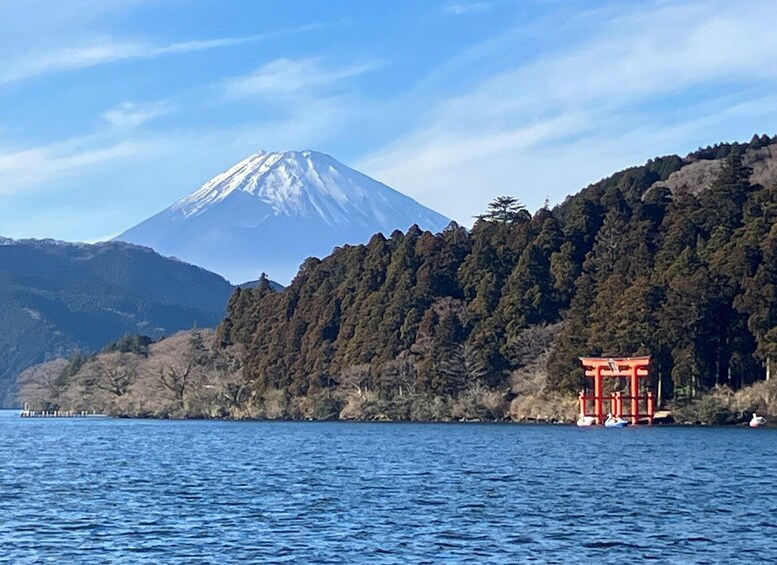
57 298
271 211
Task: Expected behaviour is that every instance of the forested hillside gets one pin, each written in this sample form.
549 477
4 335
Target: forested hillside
463 323
58 298
629 266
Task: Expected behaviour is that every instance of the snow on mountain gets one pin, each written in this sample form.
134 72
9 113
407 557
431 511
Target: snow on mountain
273 210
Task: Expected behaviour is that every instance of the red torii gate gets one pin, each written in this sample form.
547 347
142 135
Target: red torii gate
632 367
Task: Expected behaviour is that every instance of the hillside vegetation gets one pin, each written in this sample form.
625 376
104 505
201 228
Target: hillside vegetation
488 323
60 298
180 376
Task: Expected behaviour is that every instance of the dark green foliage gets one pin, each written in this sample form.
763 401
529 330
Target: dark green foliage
724 203
505 209
130 344
629 267
74 364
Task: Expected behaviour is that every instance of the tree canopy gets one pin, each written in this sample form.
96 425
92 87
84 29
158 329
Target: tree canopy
629 267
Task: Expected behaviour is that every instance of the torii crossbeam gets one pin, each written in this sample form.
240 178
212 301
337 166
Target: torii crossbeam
633 368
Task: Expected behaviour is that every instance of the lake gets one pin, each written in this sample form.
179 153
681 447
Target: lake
141 491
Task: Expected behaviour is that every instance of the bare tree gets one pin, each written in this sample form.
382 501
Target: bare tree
177 380
39 385
235 390
116 377
187 377
400 374
530 343
355 378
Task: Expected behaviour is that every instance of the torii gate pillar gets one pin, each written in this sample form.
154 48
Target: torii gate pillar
633 368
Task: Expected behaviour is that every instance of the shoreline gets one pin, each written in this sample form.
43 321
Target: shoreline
20 413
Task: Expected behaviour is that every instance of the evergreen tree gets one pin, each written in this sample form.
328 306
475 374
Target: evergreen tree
723 202
505 209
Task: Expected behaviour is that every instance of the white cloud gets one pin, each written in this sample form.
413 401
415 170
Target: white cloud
285 76
102 51
180 159
22 169
578 112
585 105
129 115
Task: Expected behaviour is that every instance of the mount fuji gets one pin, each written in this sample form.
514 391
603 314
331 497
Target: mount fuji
271 211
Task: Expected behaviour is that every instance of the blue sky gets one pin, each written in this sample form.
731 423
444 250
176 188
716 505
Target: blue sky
111 110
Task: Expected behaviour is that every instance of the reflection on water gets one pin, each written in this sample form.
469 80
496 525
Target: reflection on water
161 491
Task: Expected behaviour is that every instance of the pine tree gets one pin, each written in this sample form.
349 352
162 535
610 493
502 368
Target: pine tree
505 209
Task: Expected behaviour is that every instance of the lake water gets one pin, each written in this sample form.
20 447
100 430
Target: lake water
103 490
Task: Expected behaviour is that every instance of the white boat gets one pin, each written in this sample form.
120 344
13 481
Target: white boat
615 422
757 421
584 421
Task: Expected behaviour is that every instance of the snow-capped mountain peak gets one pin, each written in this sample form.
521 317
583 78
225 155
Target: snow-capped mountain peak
291 183
278 208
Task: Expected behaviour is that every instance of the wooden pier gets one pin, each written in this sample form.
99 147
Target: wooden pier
27 413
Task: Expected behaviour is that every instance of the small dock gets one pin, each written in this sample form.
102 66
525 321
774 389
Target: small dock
27 413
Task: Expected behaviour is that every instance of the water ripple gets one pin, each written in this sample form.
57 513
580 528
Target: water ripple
127 491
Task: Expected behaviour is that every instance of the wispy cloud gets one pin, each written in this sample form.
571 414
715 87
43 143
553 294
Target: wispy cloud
129 115
103 51
311 106
571 115
541 109
52 163
283 76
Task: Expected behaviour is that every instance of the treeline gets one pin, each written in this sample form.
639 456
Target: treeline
629 267
489 323
181 376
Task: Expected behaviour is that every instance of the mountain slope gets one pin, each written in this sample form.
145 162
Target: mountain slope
57 298
273 210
